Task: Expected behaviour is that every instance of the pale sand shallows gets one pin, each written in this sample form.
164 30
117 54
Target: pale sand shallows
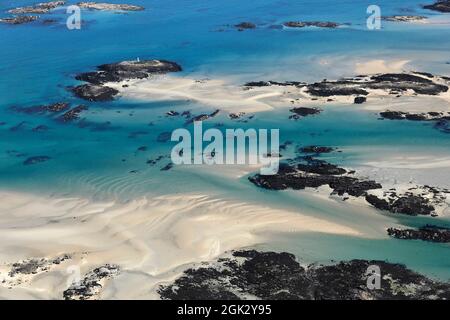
151 239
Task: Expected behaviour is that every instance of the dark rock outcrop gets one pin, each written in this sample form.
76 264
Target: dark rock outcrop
39 8
89 287
117 72
19 19
426 233
278 276
405 204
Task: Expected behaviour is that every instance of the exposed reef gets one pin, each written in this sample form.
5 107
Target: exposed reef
441 6
89 287
109 6
39 8
406 18
252 274
19 19
426 233
95 90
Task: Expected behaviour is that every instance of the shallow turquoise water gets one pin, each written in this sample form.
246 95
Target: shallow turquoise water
38 62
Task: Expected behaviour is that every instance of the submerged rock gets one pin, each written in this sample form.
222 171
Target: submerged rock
109 6
426 233
117 72
311 176
399 18
279 276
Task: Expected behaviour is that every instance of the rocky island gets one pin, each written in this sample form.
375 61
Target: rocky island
96 90
441 6
43 7
109 6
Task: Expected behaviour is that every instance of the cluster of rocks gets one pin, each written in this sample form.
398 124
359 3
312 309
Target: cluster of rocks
96 90
35 266
441 119
42 109
300 112
90 286
109 6
251 274
203 116
40 8
316 149
315 173
309 172
441 6
405 18
426 233
319 24
36 160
